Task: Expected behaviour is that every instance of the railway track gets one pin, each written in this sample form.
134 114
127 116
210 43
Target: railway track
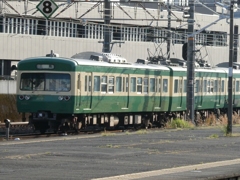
22 130
17 128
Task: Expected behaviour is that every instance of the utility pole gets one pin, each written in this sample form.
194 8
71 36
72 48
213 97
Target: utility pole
230 72
169 30
107 34
191 63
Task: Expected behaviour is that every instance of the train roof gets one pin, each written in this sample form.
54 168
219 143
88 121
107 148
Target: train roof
128 65
111 60
199 69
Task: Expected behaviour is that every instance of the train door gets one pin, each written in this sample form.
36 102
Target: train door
218 91
234 90
164 93
87 98
178 91
198 92
78 93
126 91
160 80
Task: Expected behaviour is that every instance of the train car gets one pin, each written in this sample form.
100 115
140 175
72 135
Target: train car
100 89
104 90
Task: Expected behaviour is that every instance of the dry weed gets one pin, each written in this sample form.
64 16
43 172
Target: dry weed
212 120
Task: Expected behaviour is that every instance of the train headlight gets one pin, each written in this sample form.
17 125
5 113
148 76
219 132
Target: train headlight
66 98
27 97
21 97
60 98
40 115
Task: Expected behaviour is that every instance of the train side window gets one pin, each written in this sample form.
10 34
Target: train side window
118 84
152 84
185 85
139 85
237 86
111 84
208 86
212 86
176 86
96 83
133 84
222 85
88 83
104 84
165 85
180 85
145 85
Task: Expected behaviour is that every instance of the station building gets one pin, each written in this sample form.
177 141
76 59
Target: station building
136 30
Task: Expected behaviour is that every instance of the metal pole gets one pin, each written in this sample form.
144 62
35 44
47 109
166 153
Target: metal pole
169 30
107 34
2 68
191 63
7 133
230 73
7 125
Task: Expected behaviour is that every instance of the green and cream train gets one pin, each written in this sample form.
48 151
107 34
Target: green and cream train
103 90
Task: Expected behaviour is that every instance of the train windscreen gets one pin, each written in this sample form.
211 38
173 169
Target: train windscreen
45 82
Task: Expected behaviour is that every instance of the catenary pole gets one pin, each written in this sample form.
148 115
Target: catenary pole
230 73
107 34
169 30
190 63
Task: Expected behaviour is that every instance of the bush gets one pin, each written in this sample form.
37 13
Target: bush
179 123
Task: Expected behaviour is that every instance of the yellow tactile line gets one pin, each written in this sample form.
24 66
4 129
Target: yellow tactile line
172 170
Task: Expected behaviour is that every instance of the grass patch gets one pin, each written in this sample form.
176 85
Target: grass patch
110 146
179 123
127 132
224 130
213 136
107 134
142 132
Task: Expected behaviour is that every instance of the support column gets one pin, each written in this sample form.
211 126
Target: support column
107 33
191 64
230 73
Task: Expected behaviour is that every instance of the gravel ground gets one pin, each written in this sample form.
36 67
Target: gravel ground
102 155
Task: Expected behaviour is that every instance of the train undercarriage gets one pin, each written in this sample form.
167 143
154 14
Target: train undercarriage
48 122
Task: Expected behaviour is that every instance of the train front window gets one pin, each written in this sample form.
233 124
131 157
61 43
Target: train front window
45 82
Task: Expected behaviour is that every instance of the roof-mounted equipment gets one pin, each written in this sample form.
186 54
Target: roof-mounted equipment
52 54
114 58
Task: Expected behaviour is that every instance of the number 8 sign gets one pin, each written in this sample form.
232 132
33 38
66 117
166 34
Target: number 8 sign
47 7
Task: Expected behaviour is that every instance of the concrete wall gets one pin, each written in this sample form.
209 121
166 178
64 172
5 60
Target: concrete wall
24 46
7 87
